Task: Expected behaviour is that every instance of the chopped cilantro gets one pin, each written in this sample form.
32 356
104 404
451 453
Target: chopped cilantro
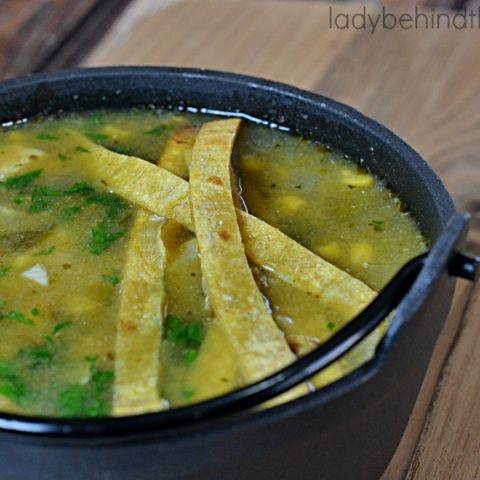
46 136
103 238
60 326
18 200
35 312
37 356
190 355
187 335
44 253
95 119
187 393
298 187
18 317
90 399
21 181
155 131
11 384
378 225
41 355
114 203
68 214
331 326
39 201
96 137
78 148
104 233
62 156
4 270
50 192
84 188
112 280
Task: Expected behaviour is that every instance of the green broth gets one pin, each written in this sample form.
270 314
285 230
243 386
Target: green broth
63 241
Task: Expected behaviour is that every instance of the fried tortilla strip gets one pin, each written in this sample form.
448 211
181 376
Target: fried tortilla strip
236 301
168 195
289 260
139 331
177 153
136 180
269 248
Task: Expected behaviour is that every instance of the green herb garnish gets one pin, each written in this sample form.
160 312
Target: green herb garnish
113 202
187 393
62 156
112 280
41 355
96 137
105 233
78 148
18 200
11 384
35 312
41 199
90 399
17 316
191 355
37 356
95 119
187 335
21 181
83 188
60 326
68 214
103 238
46 136
155 131
378 225
331 326
4 270
44 253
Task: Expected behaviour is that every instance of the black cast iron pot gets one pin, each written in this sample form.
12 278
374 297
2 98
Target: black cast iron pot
347 430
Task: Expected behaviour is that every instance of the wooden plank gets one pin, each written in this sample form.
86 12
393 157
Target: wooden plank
450 444
257 45
30 30
421 83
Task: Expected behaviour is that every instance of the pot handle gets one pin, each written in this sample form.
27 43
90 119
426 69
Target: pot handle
465 266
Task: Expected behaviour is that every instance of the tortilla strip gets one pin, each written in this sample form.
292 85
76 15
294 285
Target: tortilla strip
167 195
237 304
259 236
139 331
177 153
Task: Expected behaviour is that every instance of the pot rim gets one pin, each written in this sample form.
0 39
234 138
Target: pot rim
125 426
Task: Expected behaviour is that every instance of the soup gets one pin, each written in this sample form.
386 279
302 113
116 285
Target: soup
110 304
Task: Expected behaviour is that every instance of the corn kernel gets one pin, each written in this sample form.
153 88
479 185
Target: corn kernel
363 180
331 251
361 253
291 203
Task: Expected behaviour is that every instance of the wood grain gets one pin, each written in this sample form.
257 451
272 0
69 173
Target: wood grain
422 84
30 30
454 420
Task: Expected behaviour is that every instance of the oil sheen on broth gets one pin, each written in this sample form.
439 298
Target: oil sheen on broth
63 240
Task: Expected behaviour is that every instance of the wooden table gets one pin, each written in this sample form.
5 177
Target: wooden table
423 84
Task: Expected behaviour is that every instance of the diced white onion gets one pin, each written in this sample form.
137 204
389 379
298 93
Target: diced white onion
37 274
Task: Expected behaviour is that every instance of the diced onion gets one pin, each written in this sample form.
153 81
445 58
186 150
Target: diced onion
37 274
